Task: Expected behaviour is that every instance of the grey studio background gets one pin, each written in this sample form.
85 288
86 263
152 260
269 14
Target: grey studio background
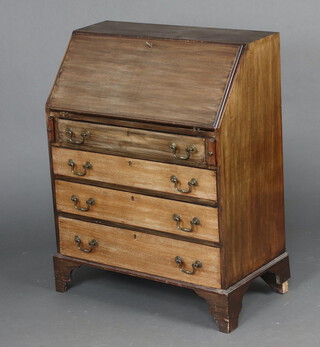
106 309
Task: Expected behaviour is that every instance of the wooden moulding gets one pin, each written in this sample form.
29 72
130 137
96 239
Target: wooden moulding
224 304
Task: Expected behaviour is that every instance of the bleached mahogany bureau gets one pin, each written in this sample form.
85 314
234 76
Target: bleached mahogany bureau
166 158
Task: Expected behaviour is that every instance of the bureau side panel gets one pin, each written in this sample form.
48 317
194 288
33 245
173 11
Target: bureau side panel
250 179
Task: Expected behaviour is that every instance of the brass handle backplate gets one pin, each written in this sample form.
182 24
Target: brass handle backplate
192 183
195 266
83 135
194 221
89 202
93 243
189 150
86 166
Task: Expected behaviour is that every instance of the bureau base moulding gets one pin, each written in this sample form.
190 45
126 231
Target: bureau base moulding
224 304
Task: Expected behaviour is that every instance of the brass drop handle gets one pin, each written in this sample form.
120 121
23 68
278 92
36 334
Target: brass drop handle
192 183
89 202
194 221
86 166
83 135
93 243
189 150
195 266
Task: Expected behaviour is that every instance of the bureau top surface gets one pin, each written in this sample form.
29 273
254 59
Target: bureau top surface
159 74
231 36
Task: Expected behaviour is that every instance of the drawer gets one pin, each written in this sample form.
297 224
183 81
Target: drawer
157 146
138 210
140 252
159 177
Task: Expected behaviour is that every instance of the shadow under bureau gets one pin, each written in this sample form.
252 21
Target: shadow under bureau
166 158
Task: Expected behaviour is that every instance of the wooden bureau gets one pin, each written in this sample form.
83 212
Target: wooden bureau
166 159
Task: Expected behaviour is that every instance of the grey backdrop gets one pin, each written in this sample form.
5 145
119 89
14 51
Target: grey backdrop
33 38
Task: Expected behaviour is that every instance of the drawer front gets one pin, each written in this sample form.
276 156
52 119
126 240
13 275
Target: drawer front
132 142
140 252
160 177
138 210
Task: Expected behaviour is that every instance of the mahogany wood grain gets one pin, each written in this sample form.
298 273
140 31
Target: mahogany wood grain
224 304
129 123
135 173
131 189
51 131
225 308
138 88
177 82
62 271
138 143
138 210
140 252
277 276
161 31
180 237
249 154
77 262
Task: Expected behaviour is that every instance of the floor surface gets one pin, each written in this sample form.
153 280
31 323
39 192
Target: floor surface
107 309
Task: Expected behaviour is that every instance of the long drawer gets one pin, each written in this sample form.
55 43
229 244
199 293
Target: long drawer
138 210
157 146
140 252
159 177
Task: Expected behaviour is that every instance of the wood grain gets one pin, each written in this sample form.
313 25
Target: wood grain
62 272
224 304
249 154
138 88
138 210
177 82
146 30
129 123
140 252
137 143
135 173
225 308
277 276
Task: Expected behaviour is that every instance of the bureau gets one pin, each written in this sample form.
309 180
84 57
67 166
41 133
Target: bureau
165 147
